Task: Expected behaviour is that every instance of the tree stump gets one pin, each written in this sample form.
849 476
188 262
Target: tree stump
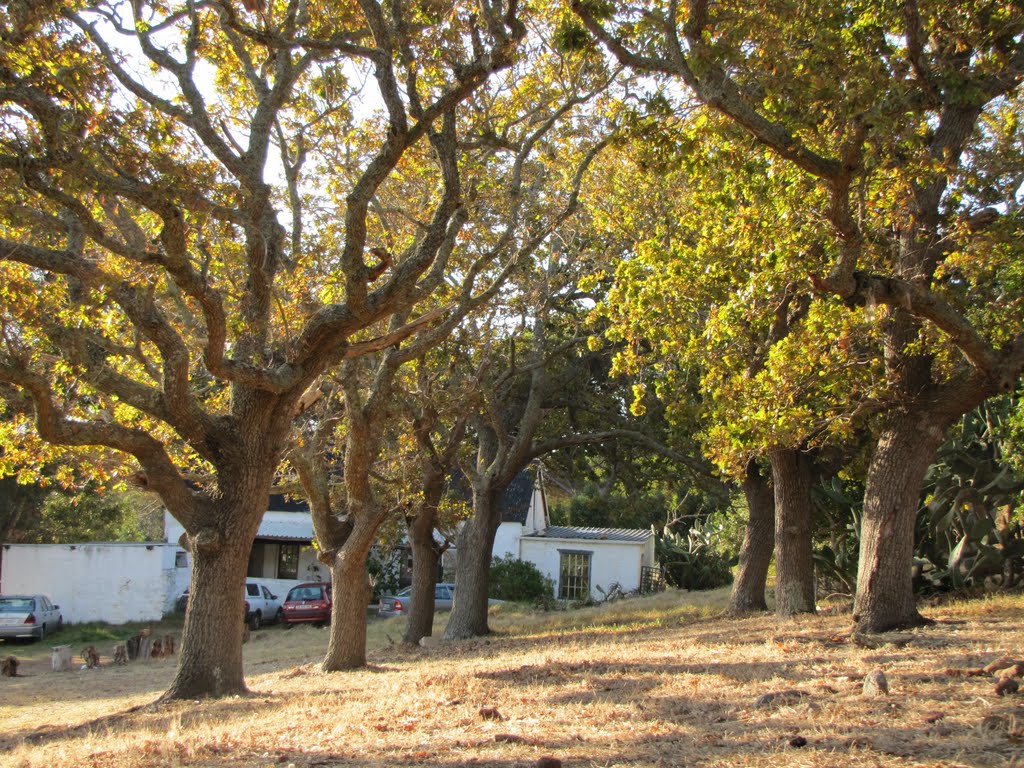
146 644
91 657
140 646
121 654
61 658
9 667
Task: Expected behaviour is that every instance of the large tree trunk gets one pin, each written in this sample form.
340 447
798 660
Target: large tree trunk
419 622
473 571
350 591
758 542
885 595
210 657
794 551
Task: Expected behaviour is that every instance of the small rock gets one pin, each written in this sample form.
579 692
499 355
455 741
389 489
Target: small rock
798 741
875 684
490 713
548 762
1007 686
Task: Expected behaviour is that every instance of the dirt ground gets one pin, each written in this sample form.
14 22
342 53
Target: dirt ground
640 683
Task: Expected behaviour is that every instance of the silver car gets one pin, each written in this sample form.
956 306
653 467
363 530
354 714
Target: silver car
398 603
31 616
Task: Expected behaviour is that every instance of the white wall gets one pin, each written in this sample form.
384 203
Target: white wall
115 583
650 556
172 528
506 540
610 561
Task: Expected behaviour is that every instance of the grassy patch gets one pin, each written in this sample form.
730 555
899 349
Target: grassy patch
80 636
647 682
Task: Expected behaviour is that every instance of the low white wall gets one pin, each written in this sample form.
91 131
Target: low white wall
610 561
115 583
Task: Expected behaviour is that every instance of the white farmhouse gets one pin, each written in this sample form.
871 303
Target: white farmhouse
583 563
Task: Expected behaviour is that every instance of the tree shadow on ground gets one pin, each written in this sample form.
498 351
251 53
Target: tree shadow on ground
145 717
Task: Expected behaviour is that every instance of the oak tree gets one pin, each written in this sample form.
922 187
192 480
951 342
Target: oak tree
904 118
185 249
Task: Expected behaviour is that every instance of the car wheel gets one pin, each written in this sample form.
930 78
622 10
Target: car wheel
42 632
280 615
255 621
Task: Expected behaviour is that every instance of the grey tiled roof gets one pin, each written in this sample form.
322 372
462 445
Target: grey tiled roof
594 534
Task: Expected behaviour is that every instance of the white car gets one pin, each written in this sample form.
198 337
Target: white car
261 605
32 616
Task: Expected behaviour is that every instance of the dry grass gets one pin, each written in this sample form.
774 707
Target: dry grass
661 682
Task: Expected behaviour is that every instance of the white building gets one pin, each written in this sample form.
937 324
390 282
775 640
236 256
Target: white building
582 562
112 582
129 582
124 582
282 554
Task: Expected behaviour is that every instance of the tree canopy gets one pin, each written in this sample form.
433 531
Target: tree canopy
231 234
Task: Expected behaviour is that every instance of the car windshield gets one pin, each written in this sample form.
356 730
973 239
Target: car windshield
304 593
12 604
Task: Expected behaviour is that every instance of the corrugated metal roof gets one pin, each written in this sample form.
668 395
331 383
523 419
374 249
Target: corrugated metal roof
292 526
639 535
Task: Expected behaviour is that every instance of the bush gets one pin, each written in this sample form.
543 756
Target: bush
691 561
518 580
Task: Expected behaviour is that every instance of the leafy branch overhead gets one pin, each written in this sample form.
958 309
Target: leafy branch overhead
164 238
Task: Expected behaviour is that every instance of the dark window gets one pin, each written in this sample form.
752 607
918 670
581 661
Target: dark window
574 575
257 556
14 604
253 590
288 561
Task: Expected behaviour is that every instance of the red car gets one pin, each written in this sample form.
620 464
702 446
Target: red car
308 603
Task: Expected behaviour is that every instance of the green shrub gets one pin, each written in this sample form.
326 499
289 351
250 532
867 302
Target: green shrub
517 580
692 561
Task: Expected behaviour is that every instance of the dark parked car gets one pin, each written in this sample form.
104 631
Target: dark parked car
31 616
398 603
308 603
